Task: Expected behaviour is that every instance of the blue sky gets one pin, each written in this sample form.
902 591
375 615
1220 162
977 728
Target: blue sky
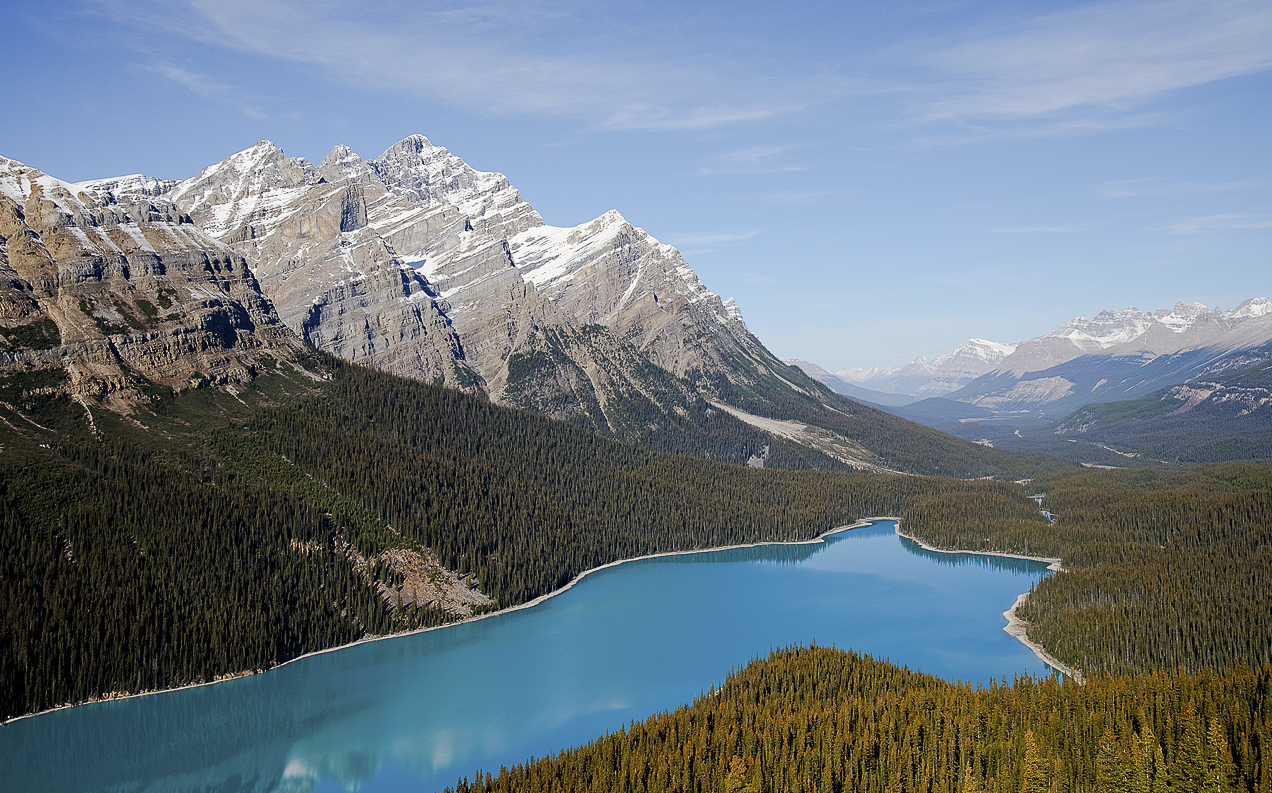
872 181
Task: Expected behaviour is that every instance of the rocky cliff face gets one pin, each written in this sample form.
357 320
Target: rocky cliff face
611 273
417 264
115 291
333 279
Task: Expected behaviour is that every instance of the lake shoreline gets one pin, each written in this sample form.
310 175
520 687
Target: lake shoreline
529 604
1016 627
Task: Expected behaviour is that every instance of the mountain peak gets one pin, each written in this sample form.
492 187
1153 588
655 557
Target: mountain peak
415 143
340 153
1253 307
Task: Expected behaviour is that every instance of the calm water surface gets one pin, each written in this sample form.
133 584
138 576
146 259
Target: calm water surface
418 712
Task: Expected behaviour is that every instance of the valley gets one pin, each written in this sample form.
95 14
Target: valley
623 643
1138 372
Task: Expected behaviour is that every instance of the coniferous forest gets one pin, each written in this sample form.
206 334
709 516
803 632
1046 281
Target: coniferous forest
217 533
818 720
1164 569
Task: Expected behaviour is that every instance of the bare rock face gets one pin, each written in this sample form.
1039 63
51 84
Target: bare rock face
430 176
332 278
418 264
111 289
614 274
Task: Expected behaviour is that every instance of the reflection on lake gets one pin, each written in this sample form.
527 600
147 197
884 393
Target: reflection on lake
418 712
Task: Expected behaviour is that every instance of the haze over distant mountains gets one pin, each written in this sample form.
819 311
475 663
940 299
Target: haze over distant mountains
1116 356
921 378
1132 352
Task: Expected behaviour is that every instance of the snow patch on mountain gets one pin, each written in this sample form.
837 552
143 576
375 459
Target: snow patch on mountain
946 373
1254 307
547 254
1130 331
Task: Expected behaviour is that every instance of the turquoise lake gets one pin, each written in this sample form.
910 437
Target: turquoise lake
417 712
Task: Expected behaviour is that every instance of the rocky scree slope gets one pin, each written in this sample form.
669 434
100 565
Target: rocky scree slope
104 296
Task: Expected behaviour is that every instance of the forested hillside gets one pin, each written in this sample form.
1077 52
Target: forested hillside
1165 569
1212 419
822 720
222 531
895 443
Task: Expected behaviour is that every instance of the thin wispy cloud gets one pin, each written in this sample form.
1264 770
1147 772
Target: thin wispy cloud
1211 223
194 82
963 131
753 159
206 87
1036 230
1112 58
1136 188
496 57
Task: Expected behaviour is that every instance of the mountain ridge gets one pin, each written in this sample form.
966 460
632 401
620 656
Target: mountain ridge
417 264
104 299
1092 367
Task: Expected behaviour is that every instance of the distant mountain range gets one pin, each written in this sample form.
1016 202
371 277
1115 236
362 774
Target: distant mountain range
946 373
1208 419
1122 355
1012 395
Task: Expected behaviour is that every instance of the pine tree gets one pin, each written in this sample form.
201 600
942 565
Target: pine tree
1220 769
1188 772
1033 776
970 784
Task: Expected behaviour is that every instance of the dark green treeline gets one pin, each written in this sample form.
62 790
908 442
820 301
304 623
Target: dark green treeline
215 534
526 503
1164 569
818 720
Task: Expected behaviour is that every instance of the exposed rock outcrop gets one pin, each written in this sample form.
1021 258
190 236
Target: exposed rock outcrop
418 264
120 291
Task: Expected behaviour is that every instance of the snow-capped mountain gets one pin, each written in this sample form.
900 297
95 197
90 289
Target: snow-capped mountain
99 293
970 360
418 264
859 374
1122 355
1131 331
1118 355
922 378
851 390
